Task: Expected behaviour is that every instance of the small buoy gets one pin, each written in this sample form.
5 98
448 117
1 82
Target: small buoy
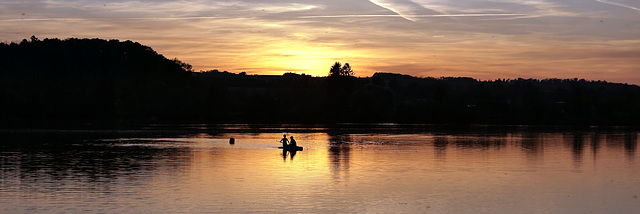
232 141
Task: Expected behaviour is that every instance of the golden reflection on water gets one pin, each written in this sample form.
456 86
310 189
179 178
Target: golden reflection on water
373 173
253 167
420 172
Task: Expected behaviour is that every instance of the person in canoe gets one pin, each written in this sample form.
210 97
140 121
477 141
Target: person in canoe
292 142
284 140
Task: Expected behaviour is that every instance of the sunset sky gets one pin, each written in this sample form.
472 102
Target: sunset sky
483 39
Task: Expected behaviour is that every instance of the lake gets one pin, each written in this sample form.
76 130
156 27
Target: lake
378 169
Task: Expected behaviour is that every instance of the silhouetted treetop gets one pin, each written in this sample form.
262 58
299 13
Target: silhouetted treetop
337 69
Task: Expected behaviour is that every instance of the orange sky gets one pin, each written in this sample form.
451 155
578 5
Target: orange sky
483 39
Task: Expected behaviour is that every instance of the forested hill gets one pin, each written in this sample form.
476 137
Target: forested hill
94 79
83 78
86 57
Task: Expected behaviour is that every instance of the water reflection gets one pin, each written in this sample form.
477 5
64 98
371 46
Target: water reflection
481 142
575 141
626 141
596 138
508 172
532 144
291 154
631 145
579 141
339 155
440 144
53 165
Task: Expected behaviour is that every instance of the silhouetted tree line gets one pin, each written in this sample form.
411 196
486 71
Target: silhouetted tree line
94 79
90 79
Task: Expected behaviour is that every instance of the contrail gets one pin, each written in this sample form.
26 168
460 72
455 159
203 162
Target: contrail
619 4
414 16
388 7
406 9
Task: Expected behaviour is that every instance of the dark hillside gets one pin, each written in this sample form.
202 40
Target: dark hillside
94 79
83 78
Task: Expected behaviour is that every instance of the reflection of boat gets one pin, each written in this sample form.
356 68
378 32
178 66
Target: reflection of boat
291 148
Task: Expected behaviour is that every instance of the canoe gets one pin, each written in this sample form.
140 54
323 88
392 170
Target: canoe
294 148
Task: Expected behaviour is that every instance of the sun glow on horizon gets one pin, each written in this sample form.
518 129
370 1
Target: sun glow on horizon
534 39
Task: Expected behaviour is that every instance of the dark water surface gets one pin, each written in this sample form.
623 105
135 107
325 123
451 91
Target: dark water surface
367 171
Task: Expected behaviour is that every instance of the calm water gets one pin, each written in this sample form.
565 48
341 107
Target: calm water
347 172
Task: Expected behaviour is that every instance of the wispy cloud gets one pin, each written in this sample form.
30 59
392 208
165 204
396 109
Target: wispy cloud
621 4
113 18
159 8
542 8
477 38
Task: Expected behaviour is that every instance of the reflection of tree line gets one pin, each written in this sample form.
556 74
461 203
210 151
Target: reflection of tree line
440 145
534 142
531 143
629 143
339 154
577 142
53 159
97 79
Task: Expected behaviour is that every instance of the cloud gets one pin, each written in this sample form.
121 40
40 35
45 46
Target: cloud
158 9
485 39
411 17
405 8
621 4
